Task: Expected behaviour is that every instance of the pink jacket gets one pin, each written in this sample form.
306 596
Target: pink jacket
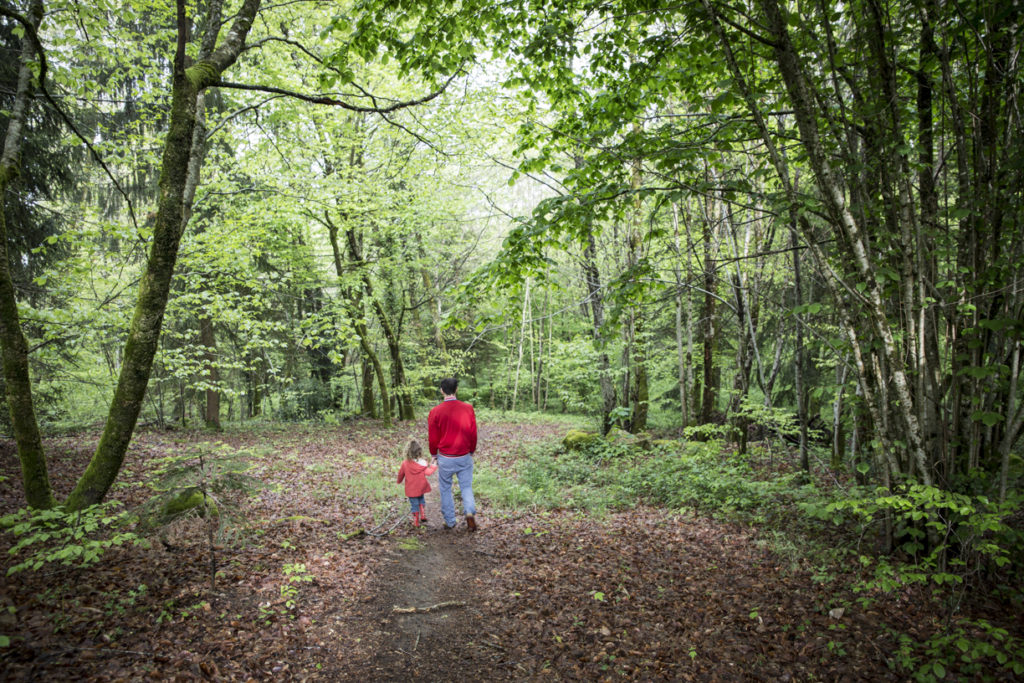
415 476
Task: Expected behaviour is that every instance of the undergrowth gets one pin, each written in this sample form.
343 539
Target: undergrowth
945 542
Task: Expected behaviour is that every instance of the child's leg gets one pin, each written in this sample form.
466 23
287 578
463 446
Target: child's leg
415 504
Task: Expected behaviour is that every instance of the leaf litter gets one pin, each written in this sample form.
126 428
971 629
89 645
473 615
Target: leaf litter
645 594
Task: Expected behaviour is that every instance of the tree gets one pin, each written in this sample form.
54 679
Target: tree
35 478
187 84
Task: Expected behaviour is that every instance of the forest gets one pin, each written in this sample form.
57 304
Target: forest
735 288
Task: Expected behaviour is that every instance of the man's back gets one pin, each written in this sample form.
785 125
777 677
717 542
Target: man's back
451 428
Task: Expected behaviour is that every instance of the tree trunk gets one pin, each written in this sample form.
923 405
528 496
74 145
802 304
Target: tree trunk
353 304
34 476
681 355
838 438
798 353
399 386
367 369
639 394
208 341
522 334
592 279
709 397
154 287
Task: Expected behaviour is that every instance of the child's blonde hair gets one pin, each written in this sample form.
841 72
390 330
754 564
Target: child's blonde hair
413 450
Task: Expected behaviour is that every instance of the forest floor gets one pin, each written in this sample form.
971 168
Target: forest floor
303 592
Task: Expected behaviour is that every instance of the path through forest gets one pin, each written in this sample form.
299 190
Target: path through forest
423 618
645 595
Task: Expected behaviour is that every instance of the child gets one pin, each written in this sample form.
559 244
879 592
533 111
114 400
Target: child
415 471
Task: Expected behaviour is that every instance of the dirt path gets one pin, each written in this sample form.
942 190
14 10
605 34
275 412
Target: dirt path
442 574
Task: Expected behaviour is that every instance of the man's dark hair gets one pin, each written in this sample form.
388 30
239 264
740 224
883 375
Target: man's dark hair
449 385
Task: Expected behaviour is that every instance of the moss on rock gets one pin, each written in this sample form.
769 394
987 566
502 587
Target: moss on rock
576 439
185 502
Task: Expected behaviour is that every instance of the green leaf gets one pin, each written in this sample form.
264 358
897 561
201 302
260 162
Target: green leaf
987 418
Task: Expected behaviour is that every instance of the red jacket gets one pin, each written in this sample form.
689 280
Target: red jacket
415 476
451 428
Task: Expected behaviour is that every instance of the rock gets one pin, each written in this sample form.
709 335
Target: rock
575 439
187 501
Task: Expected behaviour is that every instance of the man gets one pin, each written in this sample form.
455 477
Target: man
451 430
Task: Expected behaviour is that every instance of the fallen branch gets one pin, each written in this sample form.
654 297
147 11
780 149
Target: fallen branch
420 610
399 518
394 521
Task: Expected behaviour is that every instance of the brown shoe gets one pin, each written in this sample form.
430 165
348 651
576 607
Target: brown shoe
471 522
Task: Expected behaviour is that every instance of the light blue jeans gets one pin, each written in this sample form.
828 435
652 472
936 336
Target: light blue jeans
461 467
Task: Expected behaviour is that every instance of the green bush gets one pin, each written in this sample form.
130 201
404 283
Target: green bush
944 535
77 539
203 481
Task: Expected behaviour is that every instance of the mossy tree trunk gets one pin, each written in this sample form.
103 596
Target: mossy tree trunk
154 287
35 478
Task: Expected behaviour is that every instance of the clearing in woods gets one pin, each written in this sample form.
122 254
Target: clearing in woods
300 594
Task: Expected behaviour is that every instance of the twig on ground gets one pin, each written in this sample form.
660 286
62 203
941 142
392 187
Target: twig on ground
395 521
420 610
497 647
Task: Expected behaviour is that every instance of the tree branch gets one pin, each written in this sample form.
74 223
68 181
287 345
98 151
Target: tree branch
333 101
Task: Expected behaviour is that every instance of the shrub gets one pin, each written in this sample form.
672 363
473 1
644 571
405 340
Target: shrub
76 539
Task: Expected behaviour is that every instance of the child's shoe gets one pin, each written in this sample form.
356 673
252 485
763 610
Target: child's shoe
423 514
415 519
